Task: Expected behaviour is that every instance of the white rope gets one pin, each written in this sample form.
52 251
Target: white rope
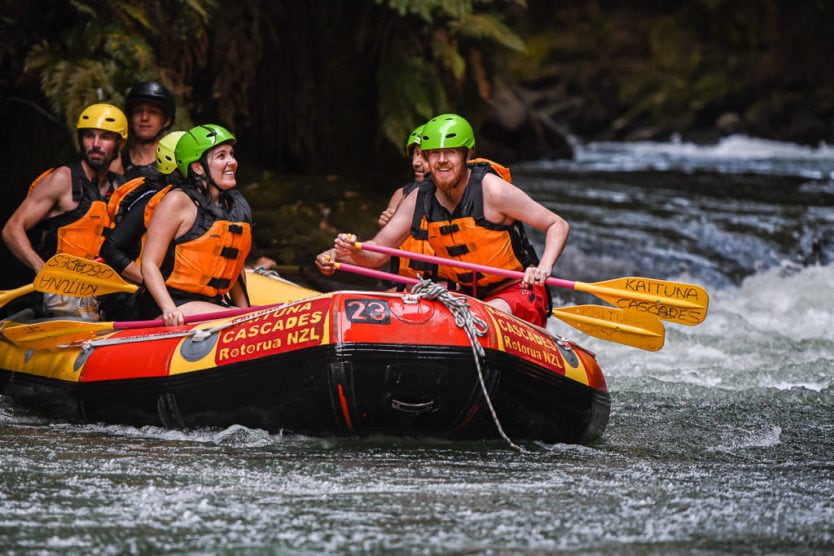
474 327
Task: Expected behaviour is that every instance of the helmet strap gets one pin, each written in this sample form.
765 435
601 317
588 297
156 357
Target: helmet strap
209 181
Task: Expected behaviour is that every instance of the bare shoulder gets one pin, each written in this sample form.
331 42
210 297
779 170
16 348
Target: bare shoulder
495 188
176 199
48 196
53 184
504 201
396 197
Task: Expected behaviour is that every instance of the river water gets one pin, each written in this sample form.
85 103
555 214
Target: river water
722 442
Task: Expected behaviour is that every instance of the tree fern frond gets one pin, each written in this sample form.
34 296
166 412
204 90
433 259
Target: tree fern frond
446 52
83 7
202 8
456 9
137 14
411 91
487 26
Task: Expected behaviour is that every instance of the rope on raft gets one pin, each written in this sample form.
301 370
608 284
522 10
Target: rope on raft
474 327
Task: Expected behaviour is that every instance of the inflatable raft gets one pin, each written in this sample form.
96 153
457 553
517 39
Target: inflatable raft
422 364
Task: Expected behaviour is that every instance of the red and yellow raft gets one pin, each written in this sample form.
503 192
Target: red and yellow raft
342 363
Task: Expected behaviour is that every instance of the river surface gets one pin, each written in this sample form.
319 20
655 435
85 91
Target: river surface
722 442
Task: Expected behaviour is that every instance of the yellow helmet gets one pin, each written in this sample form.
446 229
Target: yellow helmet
103 116
166 162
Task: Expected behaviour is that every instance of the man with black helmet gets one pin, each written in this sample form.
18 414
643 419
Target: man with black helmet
150 109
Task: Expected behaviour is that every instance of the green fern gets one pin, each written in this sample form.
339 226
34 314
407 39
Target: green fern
112 47
488 27
410 92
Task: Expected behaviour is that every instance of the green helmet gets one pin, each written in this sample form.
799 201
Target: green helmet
165 158
413 139
196 141
447 131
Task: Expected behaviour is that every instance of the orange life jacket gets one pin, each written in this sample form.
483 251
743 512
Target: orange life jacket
467 235
121 200
152 203
416 244
208 259
79 231
502 171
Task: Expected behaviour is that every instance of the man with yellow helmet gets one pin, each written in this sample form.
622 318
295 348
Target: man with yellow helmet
66 208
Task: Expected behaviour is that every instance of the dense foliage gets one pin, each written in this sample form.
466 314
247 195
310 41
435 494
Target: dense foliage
332 88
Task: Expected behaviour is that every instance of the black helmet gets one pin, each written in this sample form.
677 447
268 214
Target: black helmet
155 93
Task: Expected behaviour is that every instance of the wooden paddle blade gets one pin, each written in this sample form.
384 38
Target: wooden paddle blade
639 330
78 277
671 301
48 334
8 295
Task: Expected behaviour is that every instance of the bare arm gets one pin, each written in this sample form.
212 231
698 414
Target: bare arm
122 243
504 202
389 211
392 235
50 197
238 292
172 218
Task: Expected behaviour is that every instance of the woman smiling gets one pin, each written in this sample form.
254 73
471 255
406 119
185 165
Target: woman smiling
200 234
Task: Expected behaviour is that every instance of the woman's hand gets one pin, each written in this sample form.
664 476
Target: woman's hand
173 317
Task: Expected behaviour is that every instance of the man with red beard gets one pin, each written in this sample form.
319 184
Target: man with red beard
66 207
467 212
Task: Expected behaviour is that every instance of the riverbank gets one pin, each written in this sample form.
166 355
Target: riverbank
700 71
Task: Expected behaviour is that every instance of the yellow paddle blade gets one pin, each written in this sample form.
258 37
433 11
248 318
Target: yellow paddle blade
48 334
265 289
8 295
78 277
672 301
639 330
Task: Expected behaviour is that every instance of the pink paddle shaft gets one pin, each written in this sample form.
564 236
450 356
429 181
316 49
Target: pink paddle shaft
370 272
188 319
558 282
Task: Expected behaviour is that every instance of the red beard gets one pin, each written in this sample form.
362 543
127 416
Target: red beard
446 182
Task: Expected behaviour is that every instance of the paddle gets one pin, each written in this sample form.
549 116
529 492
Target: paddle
671 301
48 334
639 330
78 277
8 295
75 276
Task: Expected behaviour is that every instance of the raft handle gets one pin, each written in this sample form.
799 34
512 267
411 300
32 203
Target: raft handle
407 407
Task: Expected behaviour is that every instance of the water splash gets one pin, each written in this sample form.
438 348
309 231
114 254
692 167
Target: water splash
735 154
771 332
